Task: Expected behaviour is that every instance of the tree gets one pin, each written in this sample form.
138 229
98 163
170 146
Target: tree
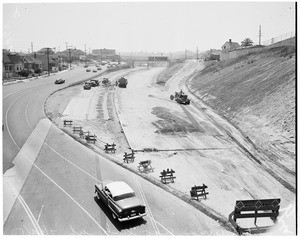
247 42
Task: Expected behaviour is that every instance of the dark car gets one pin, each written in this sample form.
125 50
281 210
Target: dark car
87 86
85 66
121 201
88 70
59 81
99 68
94 70
94 82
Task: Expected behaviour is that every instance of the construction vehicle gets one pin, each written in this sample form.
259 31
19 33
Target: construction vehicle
122 82
181 98
106 82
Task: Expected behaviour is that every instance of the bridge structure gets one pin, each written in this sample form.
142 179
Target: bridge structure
151 61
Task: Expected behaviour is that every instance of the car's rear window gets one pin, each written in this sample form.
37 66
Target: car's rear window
124 196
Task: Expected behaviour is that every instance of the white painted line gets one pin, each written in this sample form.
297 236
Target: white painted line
153 221
40 213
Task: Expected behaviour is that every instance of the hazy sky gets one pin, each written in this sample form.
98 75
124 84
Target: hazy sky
148 26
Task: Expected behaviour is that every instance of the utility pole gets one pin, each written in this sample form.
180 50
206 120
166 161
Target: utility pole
66 45
31 47
48 52
259 35
85 52
197 54
70 48
185 54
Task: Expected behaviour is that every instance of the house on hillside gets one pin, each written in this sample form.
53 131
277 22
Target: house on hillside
7 66
74 53
43 58
17 62
229 45
32 63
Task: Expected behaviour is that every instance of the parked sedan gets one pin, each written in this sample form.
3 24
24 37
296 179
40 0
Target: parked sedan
94 70
88 70
121 200
59 81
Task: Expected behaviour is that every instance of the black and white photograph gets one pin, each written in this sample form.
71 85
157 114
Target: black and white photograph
149 118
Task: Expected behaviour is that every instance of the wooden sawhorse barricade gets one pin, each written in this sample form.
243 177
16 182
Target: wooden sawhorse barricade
254 209
145 166
128 156
77 129
68 122
167 175
91 138
109 147
198 191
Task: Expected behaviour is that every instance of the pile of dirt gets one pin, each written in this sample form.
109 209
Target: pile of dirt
255 92
171 123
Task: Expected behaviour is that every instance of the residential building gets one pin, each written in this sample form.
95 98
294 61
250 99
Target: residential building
32 63
17 62
74 53
229 45
53 63
7 66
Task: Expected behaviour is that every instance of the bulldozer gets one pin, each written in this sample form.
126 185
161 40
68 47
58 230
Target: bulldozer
181 98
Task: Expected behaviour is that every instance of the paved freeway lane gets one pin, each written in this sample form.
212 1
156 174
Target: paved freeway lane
59 193
23 107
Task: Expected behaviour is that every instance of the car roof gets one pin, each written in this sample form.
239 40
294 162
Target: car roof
119 188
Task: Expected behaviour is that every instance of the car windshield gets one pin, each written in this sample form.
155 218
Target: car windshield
124 196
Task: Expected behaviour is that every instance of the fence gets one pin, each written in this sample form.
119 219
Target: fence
279 38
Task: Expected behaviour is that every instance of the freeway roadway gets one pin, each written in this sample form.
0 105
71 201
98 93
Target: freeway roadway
23 108
57 197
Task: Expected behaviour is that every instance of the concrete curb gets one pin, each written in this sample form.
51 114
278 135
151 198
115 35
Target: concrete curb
14 178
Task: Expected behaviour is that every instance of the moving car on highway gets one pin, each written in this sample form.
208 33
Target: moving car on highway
59 81
121 200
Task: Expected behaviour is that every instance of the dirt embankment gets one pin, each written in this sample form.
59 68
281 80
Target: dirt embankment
168 73
256 93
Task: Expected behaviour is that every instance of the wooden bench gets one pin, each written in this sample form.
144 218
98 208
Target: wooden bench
77 129
128 156
198 191
109 147
68 122
145 165
91 138
167 175
254 209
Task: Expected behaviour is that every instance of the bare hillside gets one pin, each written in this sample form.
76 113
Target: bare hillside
256 93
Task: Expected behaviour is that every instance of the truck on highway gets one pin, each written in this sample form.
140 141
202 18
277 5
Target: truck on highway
122 82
